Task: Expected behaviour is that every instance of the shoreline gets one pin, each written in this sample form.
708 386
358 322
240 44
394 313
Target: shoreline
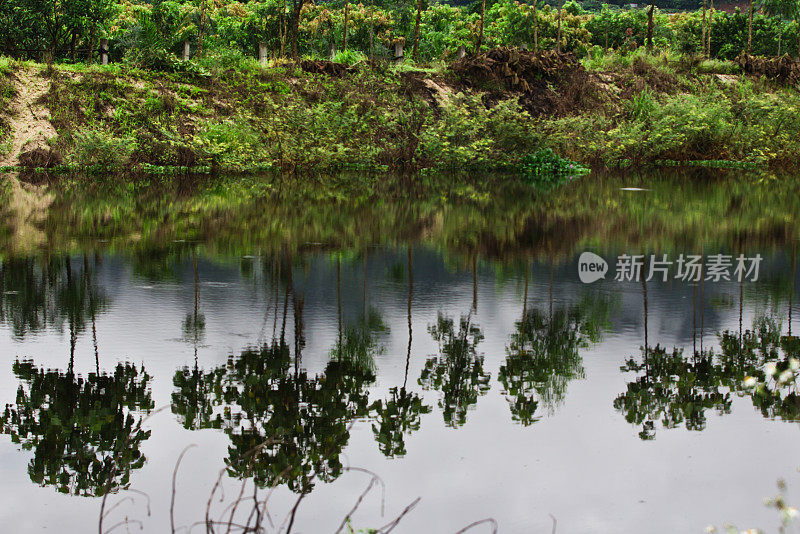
619 112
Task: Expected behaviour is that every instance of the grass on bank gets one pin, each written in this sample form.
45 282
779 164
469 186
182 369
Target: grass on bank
230 112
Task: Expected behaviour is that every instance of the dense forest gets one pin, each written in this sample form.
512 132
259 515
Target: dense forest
157 34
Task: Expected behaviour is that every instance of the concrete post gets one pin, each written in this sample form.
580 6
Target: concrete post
461 52
398 51
262 53
332 51
104 51
187 50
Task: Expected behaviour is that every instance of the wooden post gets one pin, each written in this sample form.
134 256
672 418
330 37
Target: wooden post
262 53
398 51
104 51
187 50
461 52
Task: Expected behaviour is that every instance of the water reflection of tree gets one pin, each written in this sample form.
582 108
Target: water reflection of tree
191 404
259 396
543 355
401 413
542 358
285 426
679 389
457 371
84 433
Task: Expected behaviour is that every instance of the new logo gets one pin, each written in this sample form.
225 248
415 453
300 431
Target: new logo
591 267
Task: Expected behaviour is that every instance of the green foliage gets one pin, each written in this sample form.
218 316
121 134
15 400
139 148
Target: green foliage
458 371
719 66
99 148
545 168
233 143
349 57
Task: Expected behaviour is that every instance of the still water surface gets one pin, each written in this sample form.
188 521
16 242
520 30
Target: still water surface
473 371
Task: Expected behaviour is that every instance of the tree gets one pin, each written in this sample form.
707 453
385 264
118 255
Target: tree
416 30
297 423
483 19
781 9
678 390
401 414
297 7
650 25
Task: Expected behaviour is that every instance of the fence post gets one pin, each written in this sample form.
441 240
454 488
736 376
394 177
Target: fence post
262 53
104 51
332 50
398 51
187 50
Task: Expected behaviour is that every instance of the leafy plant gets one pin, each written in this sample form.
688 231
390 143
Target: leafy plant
546 168
98 148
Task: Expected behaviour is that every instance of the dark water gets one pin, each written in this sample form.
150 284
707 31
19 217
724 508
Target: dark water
443 343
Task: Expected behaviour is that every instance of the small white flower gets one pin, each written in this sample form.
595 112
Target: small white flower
770 369
750 382
794 364
792 512
710 529
785 377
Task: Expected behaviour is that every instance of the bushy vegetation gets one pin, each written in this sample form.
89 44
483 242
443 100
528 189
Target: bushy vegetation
683 98
154 35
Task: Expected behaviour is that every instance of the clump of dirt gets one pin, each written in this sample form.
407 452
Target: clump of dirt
436 92
325 67
548 82
782 69
40 158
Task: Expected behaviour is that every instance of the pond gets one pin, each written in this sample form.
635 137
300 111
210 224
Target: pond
209 355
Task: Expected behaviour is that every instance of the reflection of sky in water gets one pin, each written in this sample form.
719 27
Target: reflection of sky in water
584 464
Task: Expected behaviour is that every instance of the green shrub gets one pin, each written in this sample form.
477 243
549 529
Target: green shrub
231 144
349 57
718 66
545 168
98 148
220 59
